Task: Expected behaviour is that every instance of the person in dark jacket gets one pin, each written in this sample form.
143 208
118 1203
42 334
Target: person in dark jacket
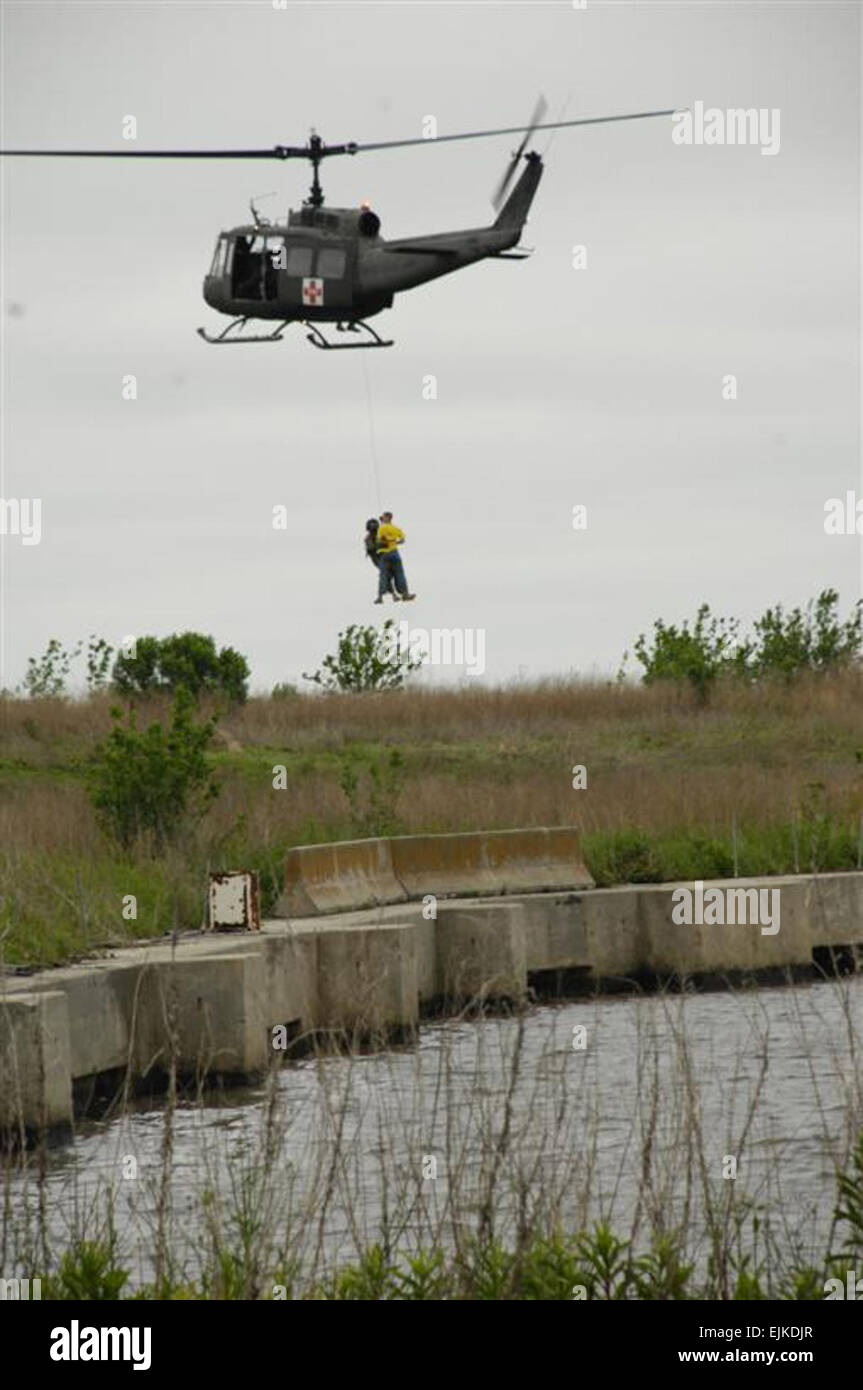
370 541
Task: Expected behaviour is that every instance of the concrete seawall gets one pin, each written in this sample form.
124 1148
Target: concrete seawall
208 1004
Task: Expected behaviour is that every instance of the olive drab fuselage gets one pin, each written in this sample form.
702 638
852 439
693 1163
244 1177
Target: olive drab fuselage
331 265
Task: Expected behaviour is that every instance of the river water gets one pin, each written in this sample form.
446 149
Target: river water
652 1112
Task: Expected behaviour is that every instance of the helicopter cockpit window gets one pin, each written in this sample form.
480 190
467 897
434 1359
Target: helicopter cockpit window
300 260
331 263
218 266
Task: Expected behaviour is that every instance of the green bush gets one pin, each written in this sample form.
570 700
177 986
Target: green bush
99 654
365 659
698 654
46 675
784 645
372 785
87 1272
186 660
148 784
813 639
624 856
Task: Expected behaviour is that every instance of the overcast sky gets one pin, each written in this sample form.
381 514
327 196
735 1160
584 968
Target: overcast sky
556 386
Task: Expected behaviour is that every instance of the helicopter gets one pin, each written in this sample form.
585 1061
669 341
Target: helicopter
329 265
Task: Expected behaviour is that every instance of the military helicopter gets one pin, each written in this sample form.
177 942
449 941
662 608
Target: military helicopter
331 265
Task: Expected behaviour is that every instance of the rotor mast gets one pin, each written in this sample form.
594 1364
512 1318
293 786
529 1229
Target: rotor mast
316 193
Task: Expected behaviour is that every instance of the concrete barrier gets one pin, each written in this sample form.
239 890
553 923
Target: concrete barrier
481 952
836 909
291 970
367 980
614 940
354 874
210 1002
490 863
339 878
669 947
35 1076
206 1014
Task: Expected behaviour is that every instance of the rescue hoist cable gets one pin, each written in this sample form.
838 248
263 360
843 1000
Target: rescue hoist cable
373 452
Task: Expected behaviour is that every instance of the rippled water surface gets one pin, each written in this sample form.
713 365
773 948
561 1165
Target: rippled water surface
499 1115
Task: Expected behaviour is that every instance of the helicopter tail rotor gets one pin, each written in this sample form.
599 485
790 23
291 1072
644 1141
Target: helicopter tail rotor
502 188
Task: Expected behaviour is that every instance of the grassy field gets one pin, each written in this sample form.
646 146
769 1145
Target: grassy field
763 780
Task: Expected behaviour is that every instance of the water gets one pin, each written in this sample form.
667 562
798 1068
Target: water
498 1115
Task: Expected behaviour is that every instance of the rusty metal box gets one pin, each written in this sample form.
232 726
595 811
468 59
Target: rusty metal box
233 901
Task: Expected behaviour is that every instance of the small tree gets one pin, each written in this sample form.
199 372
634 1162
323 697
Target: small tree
189 660
148 784
46 674
813 639
99 655
783 644
366 659
137 673
697 654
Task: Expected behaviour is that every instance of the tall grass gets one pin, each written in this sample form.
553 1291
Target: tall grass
766 779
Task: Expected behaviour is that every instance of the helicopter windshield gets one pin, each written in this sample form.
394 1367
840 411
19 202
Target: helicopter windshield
218 266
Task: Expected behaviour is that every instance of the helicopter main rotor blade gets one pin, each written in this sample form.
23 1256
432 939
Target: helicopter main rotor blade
321 151
500 192
511 130
276 152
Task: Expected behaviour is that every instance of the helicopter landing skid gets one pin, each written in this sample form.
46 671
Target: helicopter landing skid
229 336
317 339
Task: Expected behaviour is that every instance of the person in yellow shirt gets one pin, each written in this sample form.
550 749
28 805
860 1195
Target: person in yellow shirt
390 567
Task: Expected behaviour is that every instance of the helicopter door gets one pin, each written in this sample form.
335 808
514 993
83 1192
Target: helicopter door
319 277
254 270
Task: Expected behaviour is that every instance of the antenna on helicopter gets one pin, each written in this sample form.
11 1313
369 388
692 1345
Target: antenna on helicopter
258 220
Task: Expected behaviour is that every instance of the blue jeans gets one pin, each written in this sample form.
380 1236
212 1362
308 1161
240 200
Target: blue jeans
391 572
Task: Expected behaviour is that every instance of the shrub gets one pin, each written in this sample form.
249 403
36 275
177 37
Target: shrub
366 659
150 783
88 1272
696 654
99 655
813 639
783 645
46 674
188 660
372 785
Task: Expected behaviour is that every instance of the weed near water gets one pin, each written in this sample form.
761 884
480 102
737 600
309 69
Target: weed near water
594 1265
320 1188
